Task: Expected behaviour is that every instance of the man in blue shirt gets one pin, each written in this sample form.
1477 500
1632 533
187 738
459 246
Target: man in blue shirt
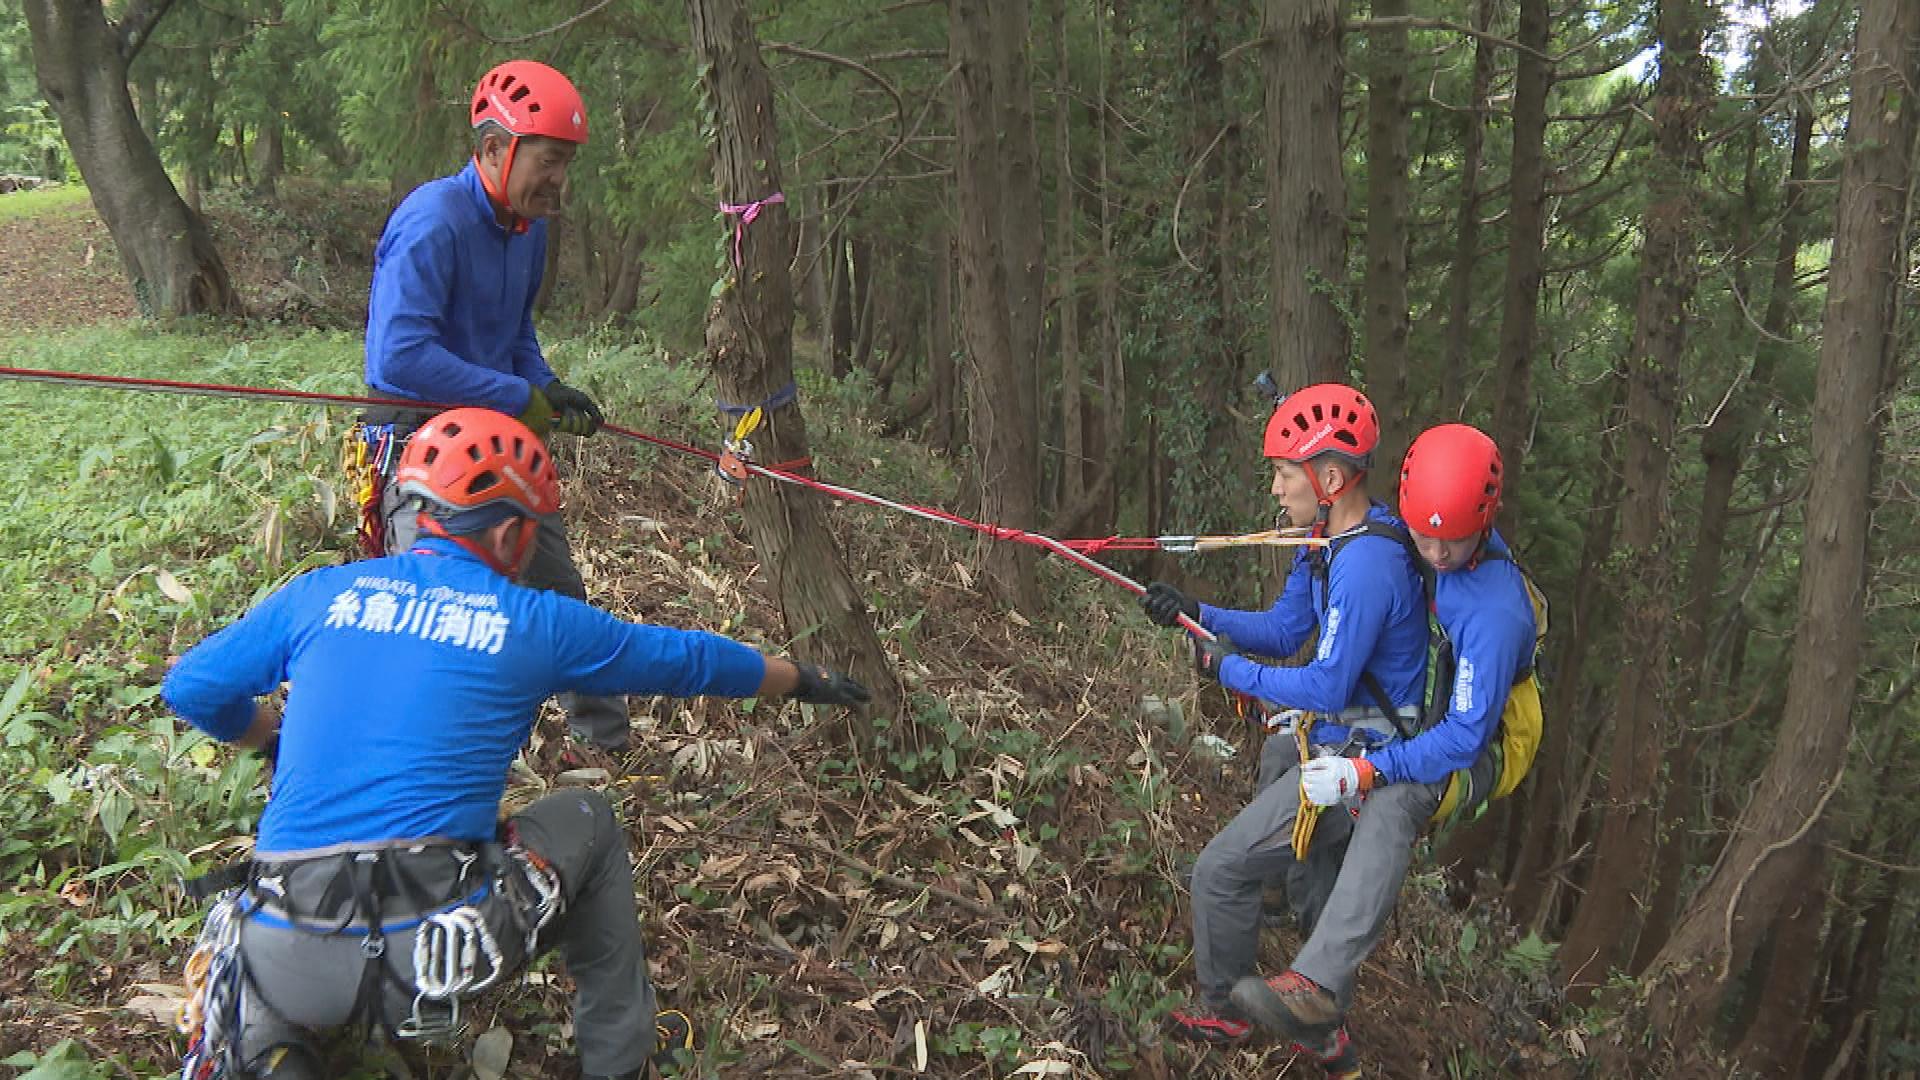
383 888
1361 595
450 318
1450 486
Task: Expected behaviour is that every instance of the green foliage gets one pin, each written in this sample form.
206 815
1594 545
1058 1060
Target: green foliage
65 1061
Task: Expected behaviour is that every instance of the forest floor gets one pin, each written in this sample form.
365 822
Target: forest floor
1005 902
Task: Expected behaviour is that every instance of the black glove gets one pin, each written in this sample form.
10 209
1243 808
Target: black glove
1164 604
1207 655
574 413
818 686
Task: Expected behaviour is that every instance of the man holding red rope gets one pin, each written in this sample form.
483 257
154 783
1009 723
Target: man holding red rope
450 318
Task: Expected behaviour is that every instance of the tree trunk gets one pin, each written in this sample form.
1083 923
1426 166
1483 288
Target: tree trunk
944 432
999 417
1457 349
1526 237
1024 242
838 352
1776 1039
750 344
270 156
1306 192
1106 437
864 278
1387 322
1723 450
1603 930
1073 472
1775 849
81 62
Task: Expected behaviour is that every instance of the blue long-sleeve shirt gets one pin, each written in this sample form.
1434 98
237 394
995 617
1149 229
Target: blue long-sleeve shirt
1371 614
414 680
1489 618
450 316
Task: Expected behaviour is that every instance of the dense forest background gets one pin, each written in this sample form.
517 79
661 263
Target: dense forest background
1662 251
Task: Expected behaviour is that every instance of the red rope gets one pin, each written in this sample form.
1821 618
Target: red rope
1075 551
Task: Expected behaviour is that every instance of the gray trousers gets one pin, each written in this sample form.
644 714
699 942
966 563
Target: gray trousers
1346 907
299 982
601 721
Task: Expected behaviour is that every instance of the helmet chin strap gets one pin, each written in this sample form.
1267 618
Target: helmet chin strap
1320 518
515 223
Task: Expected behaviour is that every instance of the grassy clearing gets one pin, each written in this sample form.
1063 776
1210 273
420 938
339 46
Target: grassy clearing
59 199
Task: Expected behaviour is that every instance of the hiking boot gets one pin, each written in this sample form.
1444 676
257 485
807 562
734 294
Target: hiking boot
1199 1024
672 1032
1290 1005
1335 1054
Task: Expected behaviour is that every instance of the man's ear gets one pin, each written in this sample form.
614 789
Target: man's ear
493 147
1334 478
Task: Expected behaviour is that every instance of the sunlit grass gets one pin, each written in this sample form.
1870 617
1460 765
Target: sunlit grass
57 199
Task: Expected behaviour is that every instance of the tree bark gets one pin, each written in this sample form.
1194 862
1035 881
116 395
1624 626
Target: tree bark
1723 450
1526 238
1776 1039
999 414
1308 336
81 62
750 344
1022 231
269 156
1107 436
944 431
1604 928
1073 472
1386 322
1775 847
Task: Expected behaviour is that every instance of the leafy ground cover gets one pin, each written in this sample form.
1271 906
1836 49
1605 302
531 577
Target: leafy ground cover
1007 905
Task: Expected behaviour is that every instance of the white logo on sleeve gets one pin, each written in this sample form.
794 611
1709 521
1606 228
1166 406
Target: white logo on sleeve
1327 634
1463 687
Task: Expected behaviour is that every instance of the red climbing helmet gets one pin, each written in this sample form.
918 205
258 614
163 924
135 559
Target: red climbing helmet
529 98
1324 419
465 459
1450 483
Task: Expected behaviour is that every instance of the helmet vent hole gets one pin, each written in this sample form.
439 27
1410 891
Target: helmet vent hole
499 444
519 92
432 454
473 452
481 482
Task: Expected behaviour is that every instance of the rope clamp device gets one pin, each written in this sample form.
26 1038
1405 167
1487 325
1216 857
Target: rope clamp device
737 451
